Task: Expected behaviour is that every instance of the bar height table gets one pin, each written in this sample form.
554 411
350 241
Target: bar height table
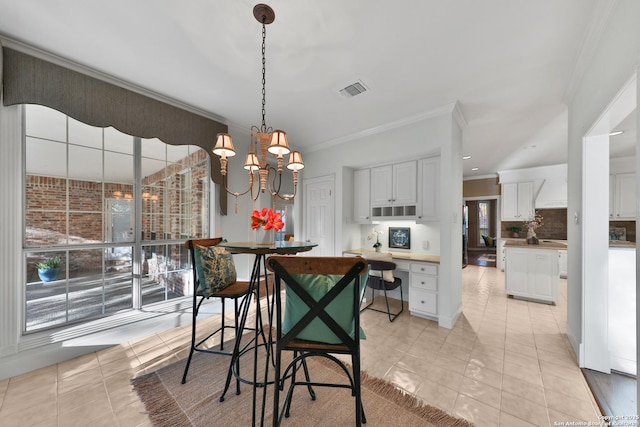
260 250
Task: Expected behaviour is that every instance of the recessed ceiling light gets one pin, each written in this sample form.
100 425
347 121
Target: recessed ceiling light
474 169
466 157
618 132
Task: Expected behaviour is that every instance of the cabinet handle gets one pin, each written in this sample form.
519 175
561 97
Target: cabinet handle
421 268
422 302
422 282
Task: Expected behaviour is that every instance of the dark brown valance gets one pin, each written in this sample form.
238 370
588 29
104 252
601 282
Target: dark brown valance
30 80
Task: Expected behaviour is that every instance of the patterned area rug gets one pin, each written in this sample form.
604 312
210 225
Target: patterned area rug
487 258
197 403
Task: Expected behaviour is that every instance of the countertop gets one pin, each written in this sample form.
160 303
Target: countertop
621 244
542 244
408 256
561 244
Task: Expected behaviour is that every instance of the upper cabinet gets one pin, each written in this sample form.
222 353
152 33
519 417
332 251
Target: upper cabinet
394 191
517 201
361 196
622 196
429 189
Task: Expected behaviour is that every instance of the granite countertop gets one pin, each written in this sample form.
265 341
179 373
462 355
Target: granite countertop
621 244
542 244
408 256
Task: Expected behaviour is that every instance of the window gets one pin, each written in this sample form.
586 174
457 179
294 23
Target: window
484 218
85 206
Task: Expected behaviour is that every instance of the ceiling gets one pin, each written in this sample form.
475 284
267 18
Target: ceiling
508 64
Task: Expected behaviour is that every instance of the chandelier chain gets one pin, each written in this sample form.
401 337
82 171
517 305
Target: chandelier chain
264 92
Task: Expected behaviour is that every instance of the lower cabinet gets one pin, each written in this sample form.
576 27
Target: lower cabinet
532 273
423 289
562 263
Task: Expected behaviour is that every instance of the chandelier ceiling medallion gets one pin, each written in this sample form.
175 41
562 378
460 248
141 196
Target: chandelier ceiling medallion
267 139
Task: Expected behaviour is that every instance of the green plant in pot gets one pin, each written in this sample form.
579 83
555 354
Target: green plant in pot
48 269
515 230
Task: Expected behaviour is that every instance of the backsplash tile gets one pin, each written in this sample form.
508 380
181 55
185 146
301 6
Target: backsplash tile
554 225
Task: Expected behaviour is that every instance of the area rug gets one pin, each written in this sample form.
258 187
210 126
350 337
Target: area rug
487 258
196 403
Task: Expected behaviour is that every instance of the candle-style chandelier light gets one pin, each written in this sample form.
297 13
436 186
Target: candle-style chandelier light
267 139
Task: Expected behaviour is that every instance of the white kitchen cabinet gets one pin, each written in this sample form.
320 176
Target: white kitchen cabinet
394 191
532 273
624 196
500 254
562 263
517 201
361 196
429 189
423 289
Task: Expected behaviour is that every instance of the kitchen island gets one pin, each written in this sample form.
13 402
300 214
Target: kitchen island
531 271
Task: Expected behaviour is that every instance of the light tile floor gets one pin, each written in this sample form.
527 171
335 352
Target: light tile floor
505 363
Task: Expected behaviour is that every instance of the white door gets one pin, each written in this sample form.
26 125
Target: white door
319 214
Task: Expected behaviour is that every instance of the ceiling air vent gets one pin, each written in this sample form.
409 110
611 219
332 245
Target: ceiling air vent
353 89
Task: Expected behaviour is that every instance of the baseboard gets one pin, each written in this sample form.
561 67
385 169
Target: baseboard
450 321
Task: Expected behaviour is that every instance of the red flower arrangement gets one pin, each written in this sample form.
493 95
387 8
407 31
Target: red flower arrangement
267 219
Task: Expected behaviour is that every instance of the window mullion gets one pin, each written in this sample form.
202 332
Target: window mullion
137 234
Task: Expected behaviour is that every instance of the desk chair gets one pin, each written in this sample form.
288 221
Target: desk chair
310 328
236 290
381 278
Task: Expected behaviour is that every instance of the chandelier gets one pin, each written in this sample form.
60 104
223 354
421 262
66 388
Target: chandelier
265 138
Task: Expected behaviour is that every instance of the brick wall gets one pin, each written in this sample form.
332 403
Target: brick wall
629 225
46 219
554 225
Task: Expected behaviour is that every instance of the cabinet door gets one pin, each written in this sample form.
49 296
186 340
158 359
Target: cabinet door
525 200
543 275
381 186
517 201
429 186
625 196
361 196
510 202
516 272
404 183
612 191
562 264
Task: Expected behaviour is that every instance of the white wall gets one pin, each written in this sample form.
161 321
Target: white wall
613 62
439 133
405 143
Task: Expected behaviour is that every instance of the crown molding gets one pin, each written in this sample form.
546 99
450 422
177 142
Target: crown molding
451 108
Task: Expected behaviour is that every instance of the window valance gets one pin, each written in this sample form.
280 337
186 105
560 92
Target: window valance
30 80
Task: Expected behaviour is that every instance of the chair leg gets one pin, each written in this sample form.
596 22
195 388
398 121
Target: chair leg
236 318
222 300
194 315
360 417
393 316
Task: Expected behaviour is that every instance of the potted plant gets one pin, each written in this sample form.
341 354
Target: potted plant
515 230
49 269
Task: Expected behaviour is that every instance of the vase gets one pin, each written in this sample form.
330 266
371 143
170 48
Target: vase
48 274
532 239
377 248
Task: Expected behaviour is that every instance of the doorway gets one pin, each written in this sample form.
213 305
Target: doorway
609 340
319 214
481 231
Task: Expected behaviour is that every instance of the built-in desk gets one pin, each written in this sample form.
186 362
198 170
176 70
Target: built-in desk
422 273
